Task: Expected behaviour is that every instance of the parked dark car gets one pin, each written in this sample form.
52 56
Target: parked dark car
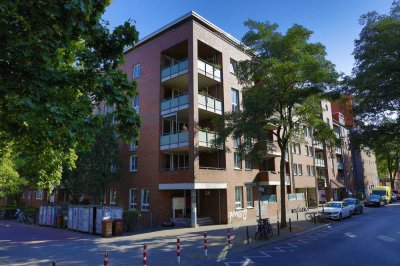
394 197
355 204
374 200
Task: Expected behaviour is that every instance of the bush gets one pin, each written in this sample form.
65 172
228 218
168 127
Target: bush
130 219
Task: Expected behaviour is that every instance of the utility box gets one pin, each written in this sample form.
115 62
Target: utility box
107 228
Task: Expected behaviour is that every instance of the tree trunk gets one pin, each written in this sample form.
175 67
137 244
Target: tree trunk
283 188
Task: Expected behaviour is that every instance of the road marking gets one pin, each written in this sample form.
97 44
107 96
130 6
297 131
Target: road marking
349 234
243 263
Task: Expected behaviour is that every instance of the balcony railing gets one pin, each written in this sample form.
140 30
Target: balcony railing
273 149
175 70
206 138
210 104
209 70
174 104
174 140
319 162
318 145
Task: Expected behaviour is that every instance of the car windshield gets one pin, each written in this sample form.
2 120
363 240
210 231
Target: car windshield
350 201
334 205
379 192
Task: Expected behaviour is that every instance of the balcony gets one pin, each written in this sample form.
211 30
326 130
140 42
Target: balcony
340 166
318 145
174 140
174 104
210 104
206 138
211 74
319 162
272 150
173 75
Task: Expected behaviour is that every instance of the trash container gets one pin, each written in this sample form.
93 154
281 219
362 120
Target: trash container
60 221
118 227
106 228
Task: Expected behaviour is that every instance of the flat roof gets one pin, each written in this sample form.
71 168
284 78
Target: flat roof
190 15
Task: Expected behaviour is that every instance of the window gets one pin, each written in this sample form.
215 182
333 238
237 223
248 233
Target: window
294 169
233 66
145 204
29 194
247 164
135 103
133 163
300 169
239 197
293 148
307 132
132 199
236 143
113 196
113 167
136 71
298 149
237 161
308 169
307 151
39 194
249 197
134 145
328 121
312 171
235 100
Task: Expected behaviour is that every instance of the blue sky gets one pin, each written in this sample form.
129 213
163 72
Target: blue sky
334 22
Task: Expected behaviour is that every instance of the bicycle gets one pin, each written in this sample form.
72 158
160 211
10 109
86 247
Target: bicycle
263 230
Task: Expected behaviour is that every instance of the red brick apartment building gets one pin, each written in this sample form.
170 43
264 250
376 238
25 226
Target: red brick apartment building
185 74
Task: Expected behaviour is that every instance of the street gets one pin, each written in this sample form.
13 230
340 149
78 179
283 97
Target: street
372 238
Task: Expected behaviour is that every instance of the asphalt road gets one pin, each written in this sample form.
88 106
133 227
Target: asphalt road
372 238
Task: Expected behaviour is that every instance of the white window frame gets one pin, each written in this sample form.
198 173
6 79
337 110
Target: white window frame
233 66
249 197
135 103
145 199
39 194
298 149
239 197
136 71
309 170
294 169
134 145
113 197
247 165
235 98
133 163
113 167
132 199
300 169
237 161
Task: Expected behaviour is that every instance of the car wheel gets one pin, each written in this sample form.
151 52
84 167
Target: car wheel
340 216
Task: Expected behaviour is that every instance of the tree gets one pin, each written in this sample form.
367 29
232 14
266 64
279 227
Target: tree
376 82
385 141
11 183
282 85
58 61
98 166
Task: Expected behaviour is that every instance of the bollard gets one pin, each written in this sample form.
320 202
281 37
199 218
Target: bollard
144 254
106 258
277 227
247 233
54 263
205 244
290 225
315 221
297 214
229 239
178 251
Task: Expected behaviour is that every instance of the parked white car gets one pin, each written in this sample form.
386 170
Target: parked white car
337 210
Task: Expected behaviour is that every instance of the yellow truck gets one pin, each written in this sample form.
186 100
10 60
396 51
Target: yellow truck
385 192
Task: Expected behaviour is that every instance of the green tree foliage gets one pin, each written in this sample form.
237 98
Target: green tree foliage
58 61
11 183
283 82
376 83
98 166
385 141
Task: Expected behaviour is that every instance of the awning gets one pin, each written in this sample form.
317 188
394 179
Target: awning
336 184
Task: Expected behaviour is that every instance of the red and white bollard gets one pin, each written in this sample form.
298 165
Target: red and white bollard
205 244
144 254
229 239
106 258
178 250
